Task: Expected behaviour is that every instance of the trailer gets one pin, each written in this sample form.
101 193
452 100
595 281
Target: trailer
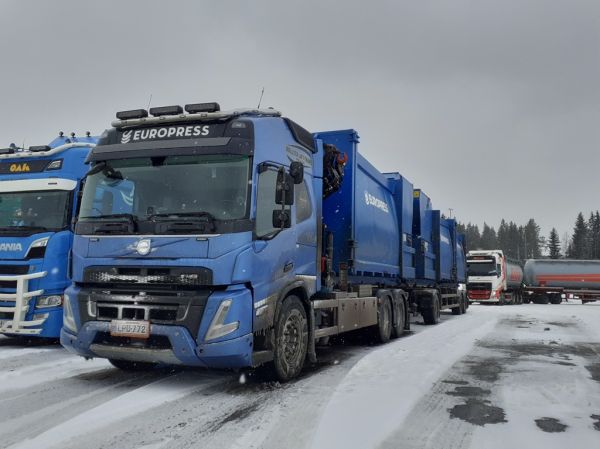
246 240
548 280
493 278
39 189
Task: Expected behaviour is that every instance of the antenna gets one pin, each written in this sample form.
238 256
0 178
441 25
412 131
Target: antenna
149 101
260 99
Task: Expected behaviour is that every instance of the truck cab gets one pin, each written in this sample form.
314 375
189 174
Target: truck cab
493 278
38 198
185 240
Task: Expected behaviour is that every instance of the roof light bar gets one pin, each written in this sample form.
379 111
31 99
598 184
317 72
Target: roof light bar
202 107
134 113
166 110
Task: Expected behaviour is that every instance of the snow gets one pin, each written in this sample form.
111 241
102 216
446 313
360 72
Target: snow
383 387
526 363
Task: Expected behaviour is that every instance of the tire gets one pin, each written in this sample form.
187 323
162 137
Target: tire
465 304
543 299
555 299
291 339
398 330
383 330
128 365
501 300
431 315
457 310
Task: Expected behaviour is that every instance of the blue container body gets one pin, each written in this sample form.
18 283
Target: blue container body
15 249
370 217
422 230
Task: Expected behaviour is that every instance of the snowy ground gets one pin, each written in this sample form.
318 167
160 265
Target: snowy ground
516 376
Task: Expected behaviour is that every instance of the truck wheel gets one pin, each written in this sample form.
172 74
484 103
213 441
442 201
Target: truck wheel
399 328
543 299
457 310
431 315
291 339
501 300
128 365
555 298
383 330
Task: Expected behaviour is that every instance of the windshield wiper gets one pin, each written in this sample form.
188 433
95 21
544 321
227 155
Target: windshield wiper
184 222
106 226
178 215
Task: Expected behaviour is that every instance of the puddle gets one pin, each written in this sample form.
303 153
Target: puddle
478 412
551 425
468 392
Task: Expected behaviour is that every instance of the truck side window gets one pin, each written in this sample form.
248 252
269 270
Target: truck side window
265 203
302 201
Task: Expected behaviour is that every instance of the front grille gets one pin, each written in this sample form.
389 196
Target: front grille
182 308
180 276
12 270
479 290
157 313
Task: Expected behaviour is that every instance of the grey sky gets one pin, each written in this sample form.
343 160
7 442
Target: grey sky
491 107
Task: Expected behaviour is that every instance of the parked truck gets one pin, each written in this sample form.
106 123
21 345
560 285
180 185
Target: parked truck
547 280
493 278
247 240
38 197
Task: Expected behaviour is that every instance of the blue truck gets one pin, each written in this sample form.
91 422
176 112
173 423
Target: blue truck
38 197
246 240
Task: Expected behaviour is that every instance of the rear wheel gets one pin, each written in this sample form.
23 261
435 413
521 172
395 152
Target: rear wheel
398 329
291 339
384 321
431 315
128 365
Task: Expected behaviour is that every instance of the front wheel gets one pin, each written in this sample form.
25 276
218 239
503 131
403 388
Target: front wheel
128 365
291 339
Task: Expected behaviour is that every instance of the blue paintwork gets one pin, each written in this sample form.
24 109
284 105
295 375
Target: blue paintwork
59 244
375 211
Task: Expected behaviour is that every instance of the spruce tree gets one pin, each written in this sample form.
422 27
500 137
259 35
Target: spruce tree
579 241
554 244
488 238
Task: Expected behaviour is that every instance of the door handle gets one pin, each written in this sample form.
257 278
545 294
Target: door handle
288 266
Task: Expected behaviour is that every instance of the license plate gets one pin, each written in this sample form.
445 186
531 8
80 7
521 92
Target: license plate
134 329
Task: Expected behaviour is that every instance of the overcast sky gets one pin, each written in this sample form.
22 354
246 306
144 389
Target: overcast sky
491 107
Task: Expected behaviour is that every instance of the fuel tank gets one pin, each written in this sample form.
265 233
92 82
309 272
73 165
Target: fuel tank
576 274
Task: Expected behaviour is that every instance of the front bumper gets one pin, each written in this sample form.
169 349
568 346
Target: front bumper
182 348
18 307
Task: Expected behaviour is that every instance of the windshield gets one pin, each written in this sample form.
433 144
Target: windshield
172 186
481 268
39 211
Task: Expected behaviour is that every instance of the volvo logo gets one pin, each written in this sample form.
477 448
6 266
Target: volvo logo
143 247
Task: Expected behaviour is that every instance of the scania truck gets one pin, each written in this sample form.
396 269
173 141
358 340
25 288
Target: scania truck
38 198
246 240
493 278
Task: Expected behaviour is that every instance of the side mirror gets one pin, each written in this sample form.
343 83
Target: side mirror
281 219
284 191
297 172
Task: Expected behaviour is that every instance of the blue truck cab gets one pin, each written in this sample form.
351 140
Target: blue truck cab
232 239
38 198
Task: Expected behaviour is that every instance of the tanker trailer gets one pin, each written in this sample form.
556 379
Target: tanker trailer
548 279
493 278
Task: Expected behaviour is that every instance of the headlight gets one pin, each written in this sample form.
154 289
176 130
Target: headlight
49 301
217 327
37 250
68 316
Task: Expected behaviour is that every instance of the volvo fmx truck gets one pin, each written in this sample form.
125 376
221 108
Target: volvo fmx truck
233 239
38 198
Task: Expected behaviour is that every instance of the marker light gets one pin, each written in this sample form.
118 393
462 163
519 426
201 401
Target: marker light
55 165
202 107
134 113
166 110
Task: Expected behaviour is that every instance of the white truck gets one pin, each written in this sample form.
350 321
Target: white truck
492 278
